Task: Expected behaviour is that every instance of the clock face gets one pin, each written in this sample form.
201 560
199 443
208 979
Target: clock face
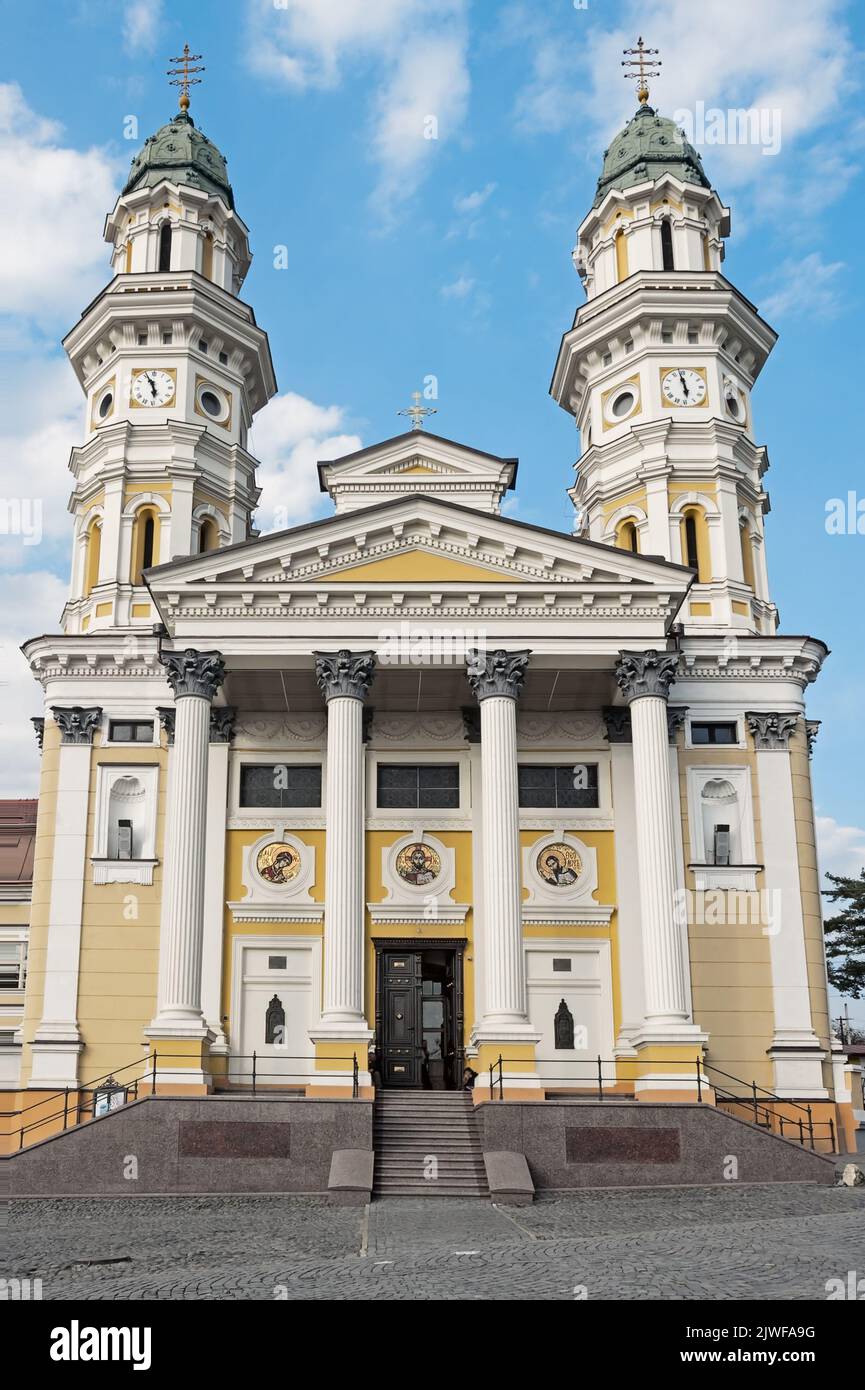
682 386
153 388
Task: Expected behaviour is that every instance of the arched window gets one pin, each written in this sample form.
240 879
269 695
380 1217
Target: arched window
695 544
692 555
747 552
626 536
93 551
165 246
208 535
145 543
621 256
667 245
207 256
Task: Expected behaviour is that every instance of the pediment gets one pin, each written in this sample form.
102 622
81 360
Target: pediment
390 469
416 542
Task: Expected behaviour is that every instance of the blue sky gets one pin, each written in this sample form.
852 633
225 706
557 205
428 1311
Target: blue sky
448 257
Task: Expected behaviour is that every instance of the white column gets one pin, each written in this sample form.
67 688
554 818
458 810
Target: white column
345 678
496 679
195 677
627 889
645 679
795 1050
221 730
57 1042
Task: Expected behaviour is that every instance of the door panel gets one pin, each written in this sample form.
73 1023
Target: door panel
401 1051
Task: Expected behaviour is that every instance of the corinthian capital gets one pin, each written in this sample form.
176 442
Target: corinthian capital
497 673
191 672
77 725
646 673
771 731
344 673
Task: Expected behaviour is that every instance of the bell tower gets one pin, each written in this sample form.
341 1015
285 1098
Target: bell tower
658 370
173 367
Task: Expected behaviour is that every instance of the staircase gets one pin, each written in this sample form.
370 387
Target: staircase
427 1145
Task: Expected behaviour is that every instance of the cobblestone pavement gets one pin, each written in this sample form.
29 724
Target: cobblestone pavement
780 1241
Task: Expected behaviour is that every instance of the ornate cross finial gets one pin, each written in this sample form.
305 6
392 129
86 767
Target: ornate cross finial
417 412
641 68
180 76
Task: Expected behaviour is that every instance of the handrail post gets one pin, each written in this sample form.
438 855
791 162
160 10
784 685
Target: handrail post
354 1077
501 1078
600 1079
153 1082
253 1073
810 1125
65 1106
832 1133
699 1082
801 1133
754 1099
492 1093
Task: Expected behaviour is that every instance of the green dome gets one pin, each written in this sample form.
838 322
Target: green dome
649 145
180 153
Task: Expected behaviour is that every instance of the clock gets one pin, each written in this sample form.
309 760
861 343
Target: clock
152 387
683 386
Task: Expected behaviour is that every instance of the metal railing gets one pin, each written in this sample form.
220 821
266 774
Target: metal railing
756 1099
76 1105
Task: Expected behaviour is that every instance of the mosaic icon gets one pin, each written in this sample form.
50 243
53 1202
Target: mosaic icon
277 863
559 865
418 864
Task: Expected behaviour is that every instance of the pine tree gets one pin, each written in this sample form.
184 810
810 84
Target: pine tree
845 935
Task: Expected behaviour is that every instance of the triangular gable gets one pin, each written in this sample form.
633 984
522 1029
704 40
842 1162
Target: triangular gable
421 540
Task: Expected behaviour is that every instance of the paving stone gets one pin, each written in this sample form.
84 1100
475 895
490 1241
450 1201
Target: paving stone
777 1242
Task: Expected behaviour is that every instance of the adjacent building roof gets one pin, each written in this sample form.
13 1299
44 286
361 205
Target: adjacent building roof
17 837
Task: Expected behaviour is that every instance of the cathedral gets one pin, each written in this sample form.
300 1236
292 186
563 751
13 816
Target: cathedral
419 796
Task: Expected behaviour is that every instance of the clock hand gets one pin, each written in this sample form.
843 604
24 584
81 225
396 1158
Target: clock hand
152 384
684 383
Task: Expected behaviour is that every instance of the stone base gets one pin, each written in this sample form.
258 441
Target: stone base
570 1145
196 1145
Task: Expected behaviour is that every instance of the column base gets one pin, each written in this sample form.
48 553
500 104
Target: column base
54 1059
180 1059
519 1075
335 1048
665 1065
798 1064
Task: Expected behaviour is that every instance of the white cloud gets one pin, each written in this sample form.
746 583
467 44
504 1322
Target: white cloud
141 23
808 286
289 437
840 848
41 419
51 262
417 51
32 603
460 288
472 202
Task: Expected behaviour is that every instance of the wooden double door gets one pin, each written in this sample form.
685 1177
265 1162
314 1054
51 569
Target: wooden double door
419 1016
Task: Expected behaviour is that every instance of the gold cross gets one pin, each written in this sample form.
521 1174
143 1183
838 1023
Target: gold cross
642 67
180 76
417 412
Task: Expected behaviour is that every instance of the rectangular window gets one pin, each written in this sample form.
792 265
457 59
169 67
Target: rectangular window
280 784
418 786
714 733
130 731
545 785
12 959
